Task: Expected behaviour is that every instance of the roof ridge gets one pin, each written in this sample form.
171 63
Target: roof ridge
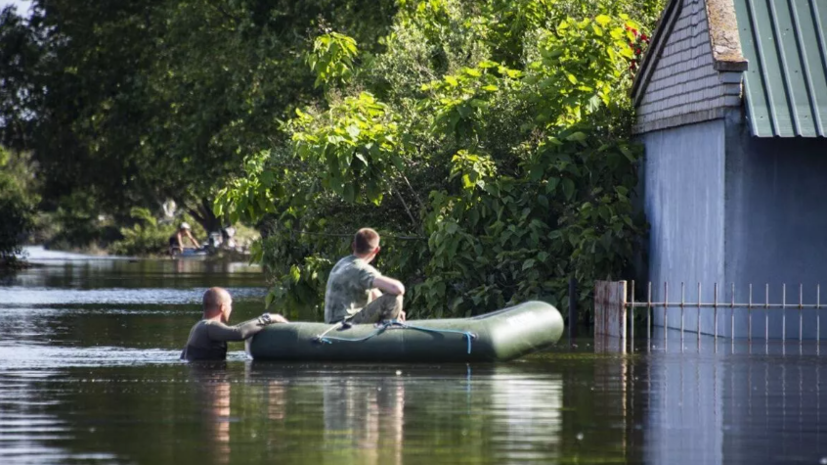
724 40
723 35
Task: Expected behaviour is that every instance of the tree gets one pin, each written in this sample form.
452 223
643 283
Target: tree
15 206
19 94
136 102
490 143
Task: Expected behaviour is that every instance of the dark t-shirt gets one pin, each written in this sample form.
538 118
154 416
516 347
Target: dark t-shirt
208 338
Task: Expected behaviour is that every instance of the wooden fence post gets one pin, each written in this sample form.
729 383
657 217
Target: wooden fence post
572 309
610 309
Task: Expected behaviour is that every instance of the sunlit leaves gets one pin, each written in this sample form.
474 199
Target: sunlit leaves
519 160
332 58
578 64
472 169
460 101
355 144
603 20
250 197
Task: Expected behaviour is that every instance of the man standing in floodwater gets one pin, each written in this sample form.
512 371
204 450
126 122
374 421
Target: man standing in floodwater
208 338
176 241
358 293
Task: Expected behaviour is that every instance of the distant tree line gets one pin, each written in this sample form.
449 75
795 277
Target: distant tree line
488 140
128 104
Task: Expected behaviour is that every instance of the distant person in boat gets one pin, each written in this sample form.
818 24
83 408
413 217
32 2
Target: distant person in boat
357 292
208 338
176 241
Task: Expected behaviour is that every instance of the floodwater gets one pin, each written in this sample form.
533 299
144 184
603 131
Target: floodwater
89 373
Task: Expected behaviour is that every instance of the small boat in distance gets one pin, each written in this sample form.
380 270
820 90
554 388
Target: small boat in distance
501 335
192 253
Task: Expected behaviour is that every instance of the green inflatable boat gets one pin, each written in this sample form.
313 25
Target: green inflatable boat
497 336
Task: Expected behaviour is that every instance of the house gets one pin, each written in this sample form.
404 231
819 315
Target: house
731 103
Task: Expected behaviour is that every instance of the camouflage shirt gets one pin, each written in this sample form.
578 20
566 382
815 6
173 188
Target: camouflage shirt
348 288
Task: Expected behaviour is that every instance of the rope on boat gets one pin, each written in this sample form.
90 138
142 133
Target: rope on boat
469 336
321 337
329 339
325 339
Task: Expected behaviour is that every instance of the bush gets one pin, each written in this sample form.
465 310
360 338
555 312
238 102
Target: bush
16 211
489 143
76 224
16 215
148 236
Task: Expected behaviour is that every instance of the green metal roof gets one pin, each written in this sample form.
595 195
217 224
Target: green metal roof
785 42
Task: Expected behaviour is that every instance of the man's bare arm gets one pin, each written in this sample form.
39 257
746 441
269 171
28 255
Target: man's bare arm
241 331
389 285
194 242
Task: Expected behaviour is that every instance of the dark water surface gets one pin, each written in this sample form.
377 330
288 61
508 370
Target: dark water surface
89 374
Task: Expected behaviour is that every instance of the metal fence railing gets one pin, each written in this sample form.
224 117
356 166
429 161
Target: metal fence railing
612 302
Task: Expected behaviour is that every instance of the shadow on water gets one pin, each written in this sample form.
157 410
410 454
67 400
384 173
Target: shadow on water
89 373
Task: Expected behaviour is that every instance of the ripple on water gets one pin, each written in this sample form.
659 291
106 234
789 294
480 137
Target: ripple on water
19 295
27 433
32 360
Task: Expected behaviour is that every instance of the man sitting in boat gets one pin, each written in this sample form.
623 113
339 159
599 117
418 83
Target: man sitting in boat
358 293
208 338
176 241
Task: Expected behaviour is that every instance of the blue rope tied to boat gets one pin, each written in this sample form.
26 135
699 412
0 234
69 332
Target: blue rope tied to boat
469 336
329 339
324 339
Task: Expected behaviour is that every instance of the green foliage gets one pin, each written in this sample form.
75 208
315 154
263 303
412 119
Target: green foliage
461 103
251 197
581 65
76 224
355 143
500 130
332 58
133 103
16 209
148 236
145 237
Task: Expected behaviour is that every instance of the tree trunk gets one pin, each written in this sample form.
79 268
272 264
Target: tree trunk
203 214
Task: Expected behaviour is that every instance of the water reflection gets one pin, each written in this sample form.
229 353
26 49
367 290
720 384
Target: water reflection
718 400
214 392
59 270
399 414
531 415
680 431
775 409
366 418
89 372
712 407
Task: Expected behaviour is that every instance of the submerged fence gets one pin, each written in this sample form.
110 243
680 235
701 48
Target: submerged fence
613 300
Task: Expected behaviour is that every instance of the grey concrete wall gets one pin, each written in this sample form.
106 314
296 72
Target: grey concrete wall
684 187
776 225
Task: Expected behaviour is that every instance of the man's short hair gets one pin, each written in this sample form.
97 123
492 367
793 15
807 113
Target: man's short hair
214 297
365 240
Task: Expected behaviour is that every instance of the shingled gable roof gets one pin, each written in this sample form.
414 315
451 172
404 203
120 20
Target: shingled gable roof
723 36
785 43
692 70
